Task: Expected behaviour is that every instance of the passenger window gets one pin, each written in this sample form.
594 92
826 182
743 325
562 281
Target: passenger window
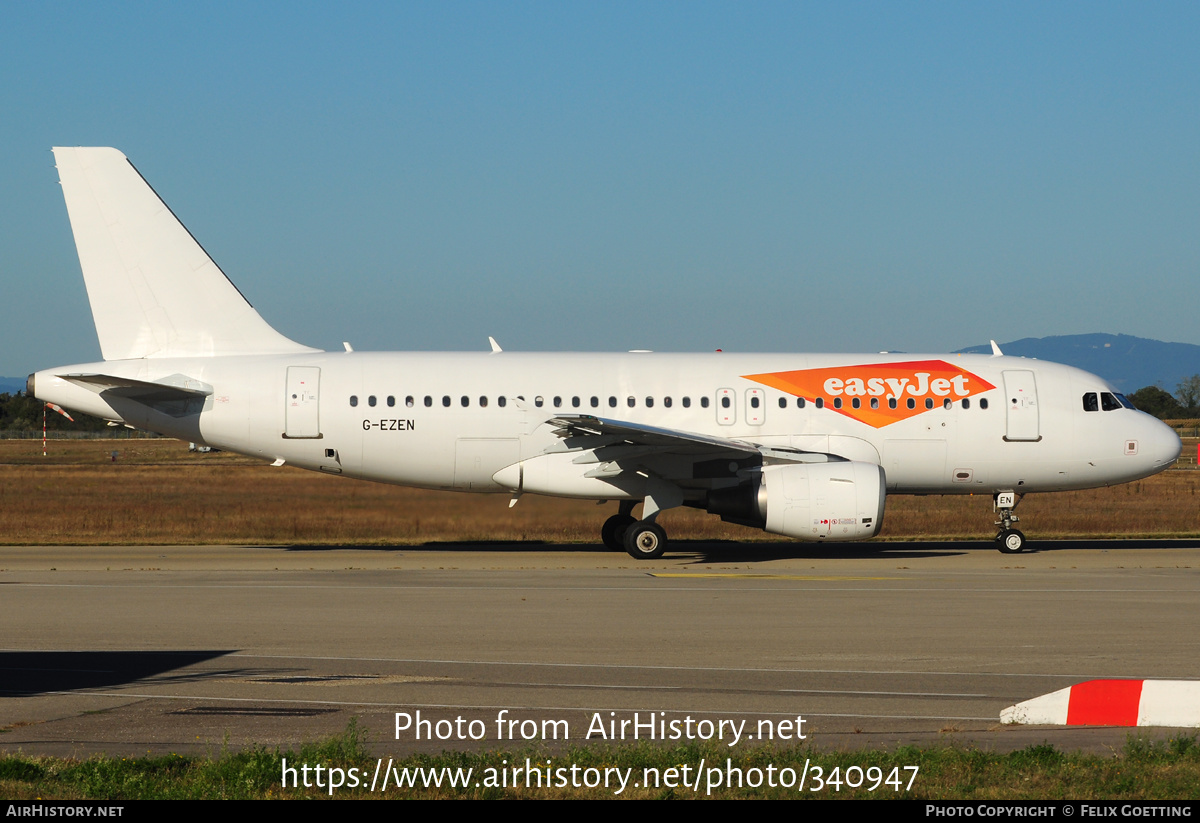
724 402
501 401
408 401
446 400
630 402
783 402
539 401
704 402
667 402
966 402
558 402
819 402
855 403
391 401
353 400
574 402
983 402
428 401
891 402
371 401
947 403
649 402
754 402
837 402
929 402
483 402
595 401
799 402
912 404
874 402
466 401
612 402
687 402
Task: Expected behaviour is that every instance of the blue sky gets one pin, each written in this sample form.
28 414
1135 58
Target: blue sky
611 176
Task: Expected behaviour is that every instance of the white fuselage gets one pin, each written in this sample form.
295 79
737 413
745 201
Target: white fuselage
460 420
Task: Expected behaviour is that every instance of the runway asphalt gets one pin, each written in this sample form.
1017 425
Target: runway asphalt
130 650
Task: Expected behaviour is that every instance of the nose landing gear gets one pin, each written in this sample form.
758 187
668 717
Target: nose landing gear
1009 540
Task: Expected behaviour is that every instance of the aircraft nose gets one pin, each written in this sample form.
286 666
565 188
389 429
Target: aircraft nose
1160 444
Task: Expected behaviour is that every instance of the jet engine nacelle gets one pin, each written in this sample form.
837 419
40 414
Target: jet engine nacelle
809 501
825 501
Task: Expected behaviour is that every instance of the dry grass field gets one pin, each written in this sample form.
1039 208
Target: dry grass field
158 493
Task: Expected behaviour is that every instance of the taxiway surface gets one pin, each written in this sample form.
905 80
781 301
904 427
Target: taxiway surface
129 650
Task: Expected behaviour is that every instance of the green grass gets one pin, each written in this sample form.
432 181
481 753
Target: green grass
1168 770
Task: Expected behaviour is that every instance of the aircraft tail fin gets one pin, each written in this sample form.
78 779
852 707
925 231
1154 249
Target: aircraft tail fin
154 291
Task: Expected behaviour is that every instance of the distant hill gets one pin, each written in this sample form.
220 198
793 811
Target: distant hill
11 385
1129 363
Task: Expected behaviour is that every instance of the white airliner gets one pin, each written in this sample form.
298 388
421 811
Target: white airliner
803 445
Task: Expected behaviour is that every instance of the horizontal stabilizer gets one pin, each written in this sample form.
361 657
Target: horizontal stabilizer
177 395
176 387
154 291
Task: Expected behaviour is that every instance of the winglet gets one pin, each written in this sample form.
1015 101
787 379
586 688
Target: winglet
495 345
996 350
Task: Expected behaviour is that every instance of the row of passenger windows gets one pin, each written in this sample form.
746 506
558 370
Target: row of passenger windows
686 402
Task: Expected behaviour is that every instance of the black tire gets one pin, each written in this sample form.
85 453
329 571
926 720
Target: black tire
613 531
645 541
1012 541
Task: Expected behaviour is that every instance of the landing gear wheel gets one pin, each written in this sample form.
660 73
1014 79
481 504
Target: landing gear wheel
613 531
1011 541
645 540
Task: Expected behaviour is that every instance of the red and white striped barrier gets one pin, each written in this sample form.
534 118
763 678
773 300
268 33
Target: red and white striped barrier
1113 703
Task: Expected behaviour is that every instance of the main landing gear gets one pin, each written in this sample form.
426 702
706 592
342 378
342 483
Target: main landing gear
643 539
613 530
1009 540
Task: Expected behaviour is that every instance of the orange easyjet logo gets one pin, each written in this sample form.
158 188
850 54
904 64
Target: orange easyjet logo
882 393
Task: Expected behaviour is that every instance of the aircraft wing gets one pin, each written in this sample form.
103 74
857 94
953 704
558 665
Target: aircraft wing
687 458
602 431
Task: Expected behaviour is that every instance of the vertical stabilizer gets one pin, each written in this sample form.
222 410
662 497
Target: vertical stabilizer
154 291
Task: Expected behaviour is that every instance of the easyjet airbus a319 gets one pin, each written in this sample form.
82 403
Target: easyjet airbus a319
803 445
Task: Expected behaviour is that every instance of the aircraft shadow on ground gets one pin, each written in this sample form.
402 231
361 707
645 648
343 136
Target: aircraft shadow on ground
26 674
713 550
727 551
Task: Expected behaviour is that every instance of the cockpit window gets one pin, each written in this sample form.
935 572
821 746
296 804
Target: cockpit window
1125 401
1090 403
1108 402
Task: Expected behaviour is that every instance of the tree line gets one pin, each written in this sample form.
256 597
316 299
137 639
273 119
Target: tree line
21 413
1183 404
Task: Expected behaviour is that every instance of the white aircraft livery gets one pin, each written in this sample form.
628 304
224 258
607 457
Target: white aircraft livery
803 445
